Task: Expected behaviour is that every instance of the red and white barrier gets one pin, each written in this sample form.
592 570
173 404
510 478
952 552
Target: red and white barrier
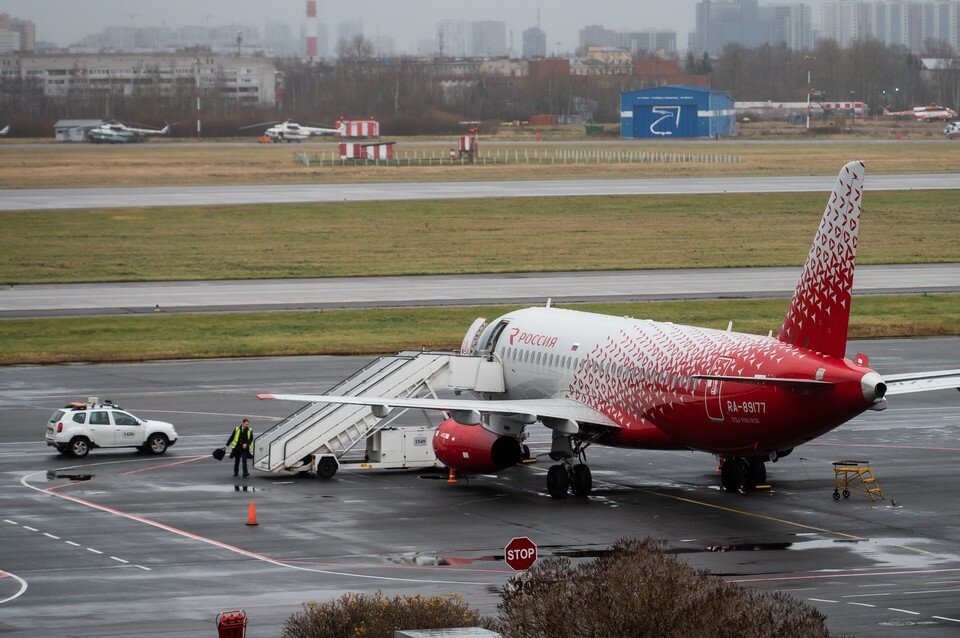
355 151
467 144
358 128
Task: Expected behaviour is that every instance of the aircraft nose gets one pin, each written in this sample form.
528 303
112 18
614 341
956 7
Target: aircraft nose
873 387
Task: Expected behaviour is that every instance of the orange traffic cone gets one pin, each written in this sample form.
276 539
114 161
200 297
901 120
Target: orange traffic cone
252 515
453 476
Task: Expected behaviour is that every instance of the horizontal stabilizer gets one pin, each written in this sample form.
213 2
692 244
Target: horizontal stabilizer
561 409
807 383
922 381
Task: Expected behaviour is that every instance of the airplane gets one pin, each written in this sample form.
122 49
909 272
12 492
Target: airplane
952 131
931 113
288 131
119 133
4 130
643 384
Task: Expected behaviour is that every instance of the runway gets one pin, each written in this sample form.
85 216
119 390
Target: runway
156 546
60 300
82 198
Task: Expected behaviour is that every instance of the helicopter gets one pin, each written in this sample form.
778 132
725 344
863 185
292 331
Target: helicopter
120 133
288 131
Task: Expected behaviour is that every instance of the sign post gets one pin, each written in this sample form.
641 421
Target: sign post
520 553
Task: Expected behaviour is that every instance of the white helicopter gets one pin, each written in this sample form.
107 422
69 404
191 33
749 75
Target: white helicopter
119 133
288 131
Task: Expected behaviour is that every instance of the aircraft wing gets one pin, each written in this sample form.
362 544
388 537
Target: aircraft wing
922 381
550 409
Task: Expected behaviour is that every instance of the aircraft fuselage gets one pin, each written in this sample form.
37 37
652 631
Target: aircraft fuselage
642 374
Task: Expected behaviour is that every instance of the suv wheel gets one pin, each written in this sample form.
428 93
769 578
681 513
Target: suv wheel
79 447
157 444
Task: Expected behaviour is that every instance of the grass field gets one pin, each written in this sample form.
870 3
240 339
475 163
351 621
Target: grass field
171 164
389 330
423 237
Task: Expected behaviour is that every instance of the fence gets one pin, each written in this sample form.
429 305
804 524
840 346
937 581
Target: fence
434 157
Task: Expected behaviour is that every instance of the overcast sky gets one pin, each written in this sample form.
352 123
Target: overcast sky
66 21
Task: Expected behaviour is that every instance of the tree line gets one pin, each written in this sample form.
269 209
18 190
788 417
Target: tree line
412 96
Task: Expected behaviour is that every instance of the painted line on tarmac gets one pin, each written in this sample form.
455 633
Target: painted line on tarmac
25 481
843 574
157 467
20 592
774 519
890 447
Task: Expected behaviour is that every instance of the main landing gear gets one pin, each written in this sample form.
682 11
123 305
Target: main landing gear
567 476
742 474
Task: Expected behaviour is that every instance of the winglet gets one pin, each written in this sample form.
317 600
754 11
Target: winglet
820 309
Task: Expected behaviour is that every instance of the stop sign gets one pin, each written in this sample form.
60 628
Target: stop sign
520 553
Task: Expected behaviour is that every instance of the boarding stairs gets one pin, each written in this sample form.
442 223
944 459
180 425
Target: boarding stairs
324 429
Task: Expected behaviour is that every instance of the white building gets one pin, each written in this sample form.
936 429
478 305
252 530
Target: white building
249 80
909 24
9 40
455 38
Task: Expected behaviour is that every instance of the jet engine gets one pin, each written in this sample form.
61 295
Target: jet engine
472 448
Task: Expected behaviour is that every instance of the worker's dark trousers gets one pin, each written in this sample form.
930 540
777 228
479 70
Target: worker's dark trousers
236 462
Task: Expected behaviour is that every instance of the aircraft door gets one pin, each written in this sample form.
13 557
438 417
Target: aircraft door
488 340
712 389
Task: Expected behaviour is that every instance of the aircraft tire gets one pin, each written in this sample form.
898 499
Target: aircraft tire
581 480
558 481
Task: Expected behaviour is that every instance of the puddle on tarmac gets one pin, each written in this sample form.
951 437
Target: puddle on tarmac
433 560
53 475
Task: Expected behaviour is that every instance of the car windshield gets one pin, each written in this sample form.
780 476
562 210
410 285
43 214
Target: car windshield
56 416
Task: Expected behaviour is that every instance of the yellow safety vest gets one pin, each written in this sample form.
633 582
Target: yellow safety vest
236 435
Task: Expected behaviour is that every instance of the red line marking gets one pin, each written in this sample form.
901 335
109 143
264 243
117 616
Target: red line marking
842 575
892 447
163 526
443 568
157 467
4 574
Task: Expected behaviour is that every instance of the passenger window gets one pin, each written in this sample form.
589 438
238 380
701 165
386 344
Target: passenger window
99 418
80 417
538 358
122 418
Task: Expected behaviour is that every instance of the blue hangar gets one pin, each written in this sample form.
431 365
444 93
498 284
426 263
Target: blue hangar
676 111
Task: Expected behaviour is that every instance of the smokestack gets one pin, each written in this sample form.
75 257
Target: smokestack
312 30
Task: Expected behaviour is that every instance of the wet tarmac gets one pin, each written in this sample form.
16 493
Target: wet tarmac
121 543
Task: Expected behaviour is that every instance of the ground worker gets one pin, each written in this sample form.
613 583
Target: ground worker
241 440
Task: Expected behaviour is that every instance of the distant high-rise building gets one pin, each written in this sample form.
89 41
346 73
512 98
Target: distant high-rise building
349 29
908 24
9 40
455 38
941 22
534 43
597 36
427 46
489 38
746 23
383 46
278 37
26 29
648 41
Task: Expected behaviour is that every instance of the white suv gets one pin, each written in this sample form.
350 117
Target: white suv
78 427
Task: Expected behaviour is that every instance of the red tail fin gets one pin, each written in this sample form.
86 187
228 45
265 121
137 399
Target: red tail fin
820 309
